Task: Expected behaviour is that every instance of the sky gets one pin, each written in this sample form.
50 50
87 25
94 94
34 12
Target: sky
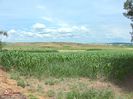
82 21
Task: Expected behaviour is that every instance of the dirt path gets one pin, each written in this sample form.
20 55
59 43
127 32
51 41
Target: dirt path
9 88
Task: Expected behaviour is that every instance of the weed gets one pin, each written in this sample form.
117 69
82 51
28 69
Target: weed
21 83
40 89
14 75
50 93
51 81
32 97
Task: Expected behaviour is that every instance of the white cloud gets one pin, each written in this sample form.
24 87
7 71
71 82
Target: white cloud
47 18
12 31
69 31
74 29
38 26
45 35
117 32
41 31
64 30
50 30
62 24
84 29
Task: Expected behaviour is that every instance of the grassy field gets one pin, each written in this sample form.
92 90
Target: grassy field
68 60
63 46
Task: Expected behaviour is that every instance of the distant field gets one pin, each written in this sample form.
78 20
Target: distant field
63 46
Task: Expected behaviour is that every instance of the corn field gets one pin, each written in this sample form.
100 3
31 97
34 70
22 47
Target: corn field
111 64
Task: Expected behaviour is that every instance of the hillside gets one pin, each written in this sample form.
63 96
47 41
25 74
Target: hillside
65 46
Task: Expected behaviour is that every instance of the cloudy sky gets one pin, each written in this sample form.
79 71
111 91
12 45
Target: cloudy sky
85 21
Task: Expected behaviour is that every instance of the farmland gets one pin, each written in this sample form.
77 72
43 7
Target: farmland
56 63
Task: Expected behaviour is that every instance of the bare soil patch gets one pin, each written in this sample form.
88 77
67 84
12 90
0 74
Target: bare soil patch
9 88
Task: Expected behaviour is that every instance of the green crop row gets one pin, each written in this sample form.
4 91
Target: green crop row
108 64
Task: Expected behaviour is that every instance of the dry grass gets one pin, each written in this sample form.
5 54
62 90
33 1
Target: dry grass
41 90
60 46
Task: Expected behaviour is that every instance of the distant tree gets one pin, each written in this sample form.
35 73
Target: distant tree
2 33
128 6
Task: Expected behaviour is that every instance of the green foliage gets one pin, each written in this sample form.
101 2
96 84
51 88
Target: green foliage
32 97
51 81
90 94
94 64
128 6
14 75
21 83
